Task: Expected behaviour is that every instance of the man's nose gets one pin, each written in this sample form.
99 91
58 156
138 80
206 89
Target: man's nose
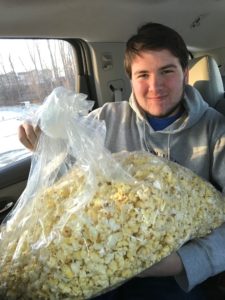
155 82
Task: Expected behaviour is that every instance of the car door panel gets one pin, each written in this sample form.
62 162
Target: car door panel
13 181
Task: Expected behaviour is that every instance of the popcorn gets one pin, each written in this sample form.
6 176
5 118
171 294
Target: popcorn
124 229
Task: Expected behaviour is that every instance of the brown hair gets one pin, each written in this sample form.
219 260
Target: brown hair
154 36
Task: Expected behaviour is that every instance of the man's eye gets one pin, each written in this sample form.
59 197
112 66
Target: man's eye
167 71
143 76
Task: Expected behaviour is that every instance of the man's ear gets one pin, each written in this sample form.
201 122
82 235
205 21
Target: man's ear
186 75
131 84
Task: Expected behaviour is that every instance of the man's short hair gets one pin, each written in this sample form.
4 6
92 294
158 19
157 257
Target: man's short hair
154 36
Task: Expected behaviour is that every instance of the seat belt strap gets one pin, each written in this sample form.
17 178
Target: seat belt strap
117 93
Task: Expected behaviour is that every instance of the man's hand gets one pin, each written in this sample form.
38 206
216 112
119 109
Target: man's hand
28 135
169 266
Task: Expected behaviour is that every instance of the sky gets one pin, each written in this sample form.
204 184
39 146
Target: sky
20 56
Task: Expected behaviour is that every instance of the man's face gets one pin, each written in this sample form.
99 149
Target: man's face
158 80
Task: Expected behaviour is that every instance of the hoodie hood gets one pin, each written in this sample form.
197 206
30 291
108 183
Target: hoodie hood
194 106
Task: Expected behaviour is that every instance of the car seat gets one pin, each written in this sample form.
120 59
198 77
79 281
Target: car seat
204 75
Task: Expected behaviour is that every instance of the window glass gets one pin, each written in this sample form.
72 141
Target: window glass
29 71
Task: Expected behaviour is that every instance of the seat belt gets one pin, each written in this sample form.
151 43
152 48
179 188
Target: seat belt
117 93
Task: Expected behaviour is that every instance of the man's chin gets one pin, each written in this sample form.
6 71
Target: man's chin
164 113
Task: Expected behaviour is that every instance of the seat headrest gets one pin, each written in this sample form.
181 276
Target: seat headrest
204 75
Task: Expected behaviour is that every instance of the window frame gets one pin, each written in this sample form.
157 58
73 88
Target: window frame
13 177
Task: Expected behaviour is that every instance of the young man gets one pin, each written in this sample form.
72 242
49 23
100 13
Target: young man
166 117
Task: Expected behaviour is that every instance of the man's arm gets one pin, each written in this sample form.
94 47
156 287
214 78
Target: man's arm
169 266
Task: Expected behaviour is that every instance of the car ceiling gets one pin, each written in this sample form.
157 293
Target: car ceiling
200 22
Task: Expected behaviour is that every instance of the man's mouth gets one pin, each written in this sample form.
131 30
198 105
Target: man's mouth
156 97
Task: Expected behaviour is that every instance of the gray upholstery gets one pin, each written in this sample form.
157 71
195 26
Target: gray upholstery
204 75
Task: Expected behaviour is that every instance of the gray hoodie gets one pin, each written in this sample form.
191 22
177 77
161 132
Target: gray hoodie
197 141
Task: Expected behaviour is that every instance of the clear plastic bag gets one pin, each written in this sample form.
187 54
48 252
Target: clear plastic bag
89 220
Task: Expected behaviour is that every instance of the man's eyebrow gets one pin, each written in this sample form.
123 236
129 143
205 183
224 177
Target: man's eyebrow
141 72
162 68
168 66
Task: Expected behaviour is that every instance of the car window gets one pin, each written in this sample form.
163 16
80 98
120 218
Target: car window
29 71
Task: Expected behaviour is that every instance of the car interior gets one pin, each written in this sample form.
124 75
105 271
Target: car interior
97 32
205 76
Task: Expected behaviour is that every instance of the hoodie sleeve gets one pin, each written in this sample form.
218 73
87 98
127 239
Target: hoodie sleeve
205 257
202 258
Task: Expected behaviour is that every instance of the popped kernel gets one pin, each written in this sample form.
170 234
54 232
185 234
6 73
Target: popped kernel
124 229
